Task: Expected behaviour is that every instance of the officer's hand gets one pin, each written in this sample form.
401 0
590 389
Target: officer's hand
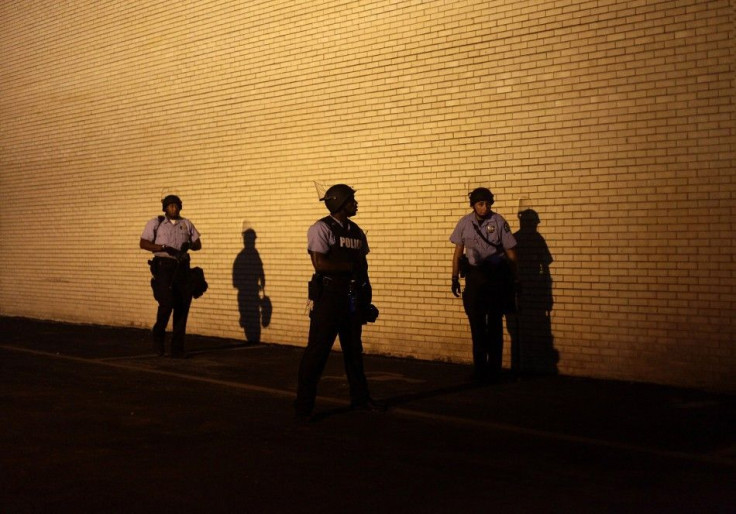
170 250
456 287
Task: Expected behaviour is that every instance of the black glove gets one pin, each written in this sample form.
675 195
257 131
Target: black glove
170 250
456 287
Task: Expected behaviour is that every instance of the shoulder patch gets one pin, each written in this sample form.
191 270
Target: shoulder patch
506 227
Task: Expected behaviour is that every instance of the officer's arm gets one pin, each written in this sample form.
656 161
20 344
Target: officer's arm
512 258
197 245
459 249
150 246
323 264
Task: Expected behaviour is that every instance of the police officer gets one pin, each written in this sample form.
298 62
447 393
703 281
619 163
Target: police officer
341 294
484 238
169 237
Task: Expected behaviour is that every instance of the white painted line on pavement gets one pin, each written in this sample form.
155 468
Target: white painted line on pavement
153 371
151 356
455 420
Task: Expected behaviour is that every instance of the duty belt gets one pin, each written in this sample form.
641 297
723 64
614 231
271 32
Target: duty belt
340 284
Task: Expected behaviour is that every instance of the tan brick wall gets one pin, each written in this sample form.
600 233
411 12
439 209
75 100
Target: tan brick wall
613 120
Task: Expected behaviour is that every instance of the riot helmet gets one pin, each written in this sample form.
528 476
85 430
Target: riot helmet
169 199
337 196
481 194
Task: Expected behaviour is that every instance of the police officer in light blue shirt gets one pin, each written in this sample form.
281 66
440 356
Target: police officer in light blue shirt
169 237
341 294
483 239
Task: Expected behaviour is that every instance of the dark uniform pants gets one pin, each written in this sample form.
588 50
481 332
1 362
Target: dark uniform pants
171 291
483 302
330 318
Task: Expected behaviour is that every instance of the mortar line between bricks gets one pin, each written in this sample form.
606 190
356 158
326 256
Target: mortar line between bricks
412 413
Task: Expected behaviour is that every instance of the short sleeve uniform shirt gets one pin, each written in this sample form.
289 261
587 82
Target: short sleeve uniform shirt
495 229
173 233
320 237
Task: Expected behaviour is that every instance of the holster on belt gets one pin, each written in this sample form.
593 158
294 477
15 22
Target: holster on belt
315 287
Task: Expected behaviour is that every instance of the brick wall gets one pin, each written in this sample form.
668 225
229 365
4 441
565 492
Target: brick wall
612 121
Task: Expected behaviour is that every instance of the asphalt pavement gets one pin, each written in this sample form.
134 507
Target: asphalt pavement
93 421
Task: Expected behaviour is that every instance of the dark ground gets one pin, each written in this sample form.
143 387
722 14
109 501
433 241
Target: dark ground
93 422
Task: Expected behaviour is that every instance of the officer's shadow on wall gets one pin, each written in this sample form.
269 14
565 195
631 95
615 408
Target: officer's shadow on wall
250 281
530 328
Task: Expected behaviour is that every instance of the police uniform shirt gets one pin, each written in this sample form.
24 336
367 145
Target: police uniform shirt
494 228
320 238
173 233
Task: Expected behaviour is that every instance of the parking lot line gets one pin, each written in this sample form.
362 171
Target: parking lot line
719 459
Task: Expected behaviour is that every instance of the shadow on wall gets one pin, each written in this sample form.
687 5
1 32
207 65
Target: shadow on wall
532 343
250 281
